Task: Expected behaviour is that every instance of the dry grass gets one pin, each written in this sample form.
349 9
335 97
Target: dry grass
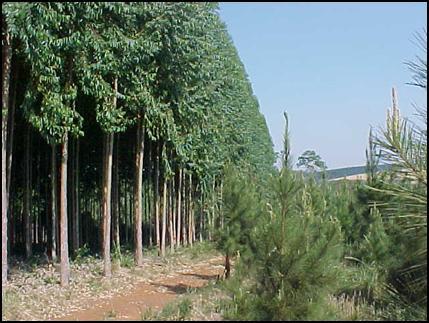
202 304
351 308
37 294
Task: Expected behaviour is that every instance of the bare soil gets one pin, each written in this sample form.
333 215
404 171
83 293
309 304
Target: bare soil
153 294
33 291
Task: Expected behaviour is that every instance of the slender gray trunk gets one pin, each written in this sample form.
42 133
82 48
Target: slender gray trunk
6 62
76 211
164 216
179 208
107 193
171 222
65 266
157 199
149 194
202 211
106 202
190 235
115 197
221 205
27 195
138 203
184 213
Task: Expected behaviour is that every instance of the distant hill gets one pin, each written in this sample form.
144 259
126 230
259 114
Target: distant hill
350 171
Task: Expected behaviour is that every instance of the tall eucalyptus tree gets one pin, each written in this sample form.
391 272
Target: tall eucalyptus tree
51 41
102 74
6 62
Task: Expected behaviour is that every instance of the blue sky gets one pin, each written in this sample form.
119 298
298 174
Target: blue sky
331 66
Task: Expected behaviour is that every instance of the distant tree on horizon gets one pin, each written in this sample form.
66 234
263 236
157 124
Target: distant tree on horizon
311 162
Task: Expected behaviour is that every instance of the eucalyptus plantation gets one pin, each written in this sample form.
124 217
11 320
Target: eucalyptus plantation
167 78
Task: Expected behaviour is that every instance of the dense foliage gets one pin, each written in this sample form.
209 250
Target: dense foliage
147 103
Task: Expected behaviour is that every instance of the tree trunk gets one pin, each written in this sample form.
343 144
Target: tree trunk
150 217
193 223
10 130
6 62
71 197
179 209
227 266
212 220
164 216
39 209
157 199
201 214
65 267
106 202
75 188
126 206
84 222
12 226
47 198
174 209
190 211
107 192
184 199
54 215
27 195
130 211
170 217
149 194
115 193
96 233
9 147
148 208
138 202
221 205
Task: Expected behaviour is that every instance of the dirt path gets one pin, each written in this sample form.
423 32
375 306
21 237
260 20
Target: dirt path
153 294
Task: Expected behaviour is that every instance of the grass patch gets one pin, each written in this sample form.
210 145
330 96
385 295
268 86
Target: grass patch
123 257
10 305
176 311
82 254
68 295
110 315
95 284
351 308
203 304
148 315
198 250
51 280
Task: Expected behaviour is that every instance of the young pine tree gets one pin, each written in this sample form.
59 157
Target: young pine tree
296 254
240 207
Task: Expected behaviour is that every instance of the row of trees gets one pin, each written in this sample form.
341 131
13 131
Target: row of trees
120 118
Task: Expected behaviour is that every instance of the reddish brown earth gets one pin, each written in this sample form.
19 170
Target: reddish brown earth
154 294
